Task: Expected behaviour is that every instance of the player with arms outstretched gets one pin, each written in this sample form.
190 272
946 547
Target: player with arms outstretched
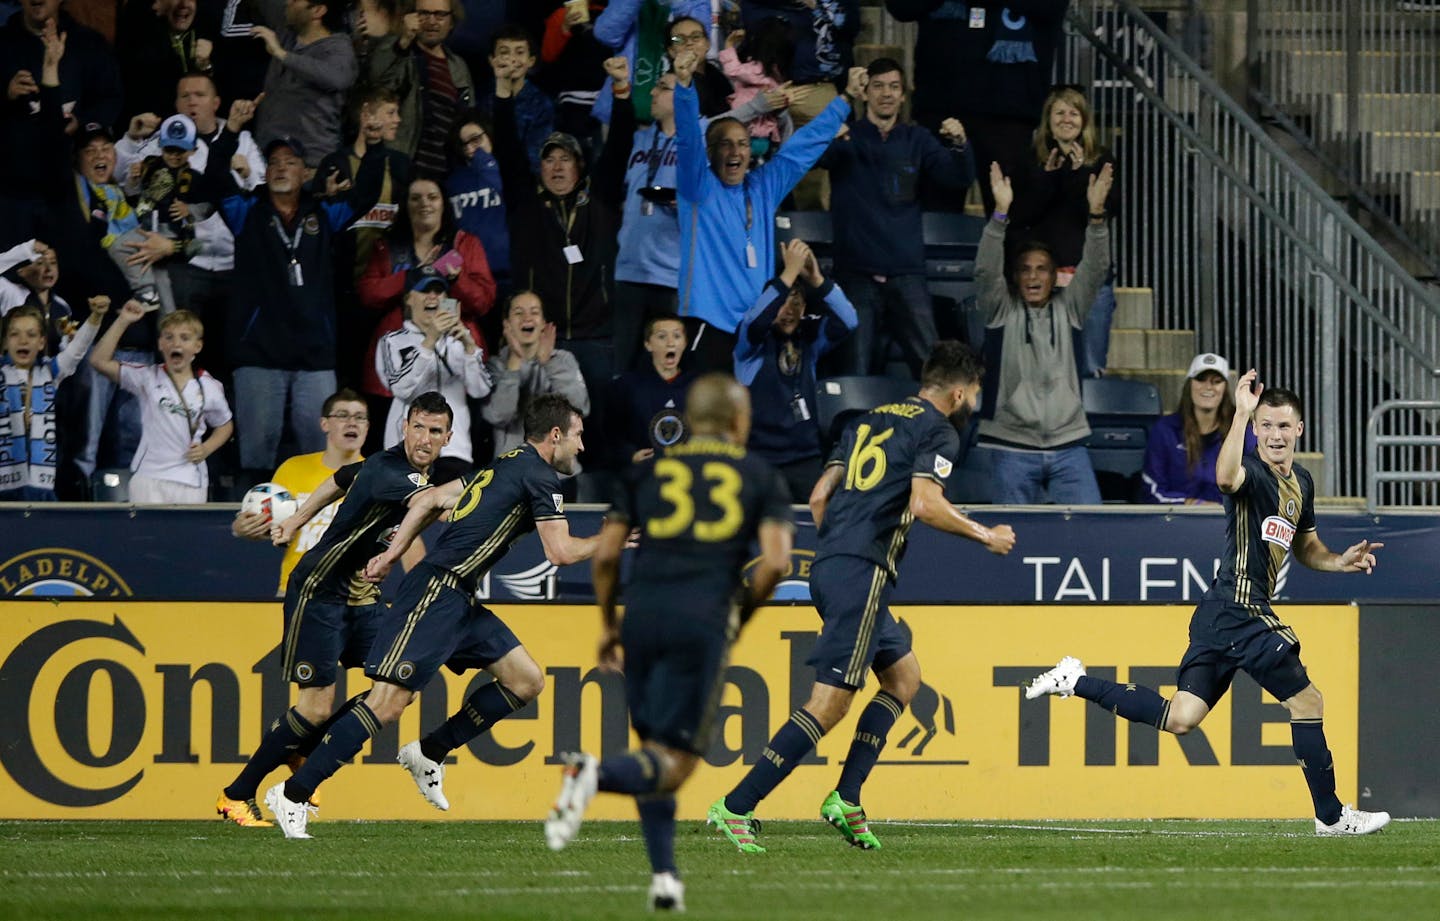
1269 512
435 620
888 471
331 612
699 506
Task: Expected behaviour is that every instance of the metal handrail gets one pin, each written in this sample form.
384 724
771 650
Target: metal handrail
1374 441
1257 134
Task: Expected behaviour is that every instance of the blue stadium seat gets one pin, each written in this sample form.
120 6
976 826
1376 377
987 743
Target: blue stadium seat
957 311
842 398
1120 413
951 242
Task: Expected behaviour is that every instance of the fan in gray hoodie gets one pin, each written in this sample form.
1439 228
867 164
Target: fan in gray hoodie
1033 420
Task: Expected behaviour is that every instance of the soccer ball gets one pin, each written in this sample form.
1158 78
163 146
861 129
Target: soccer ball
271 500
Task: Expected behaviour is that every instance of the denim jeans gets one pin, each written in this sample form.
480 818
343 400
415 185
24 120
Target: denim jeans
900 306
1064 477
264 397
1095 335
105 396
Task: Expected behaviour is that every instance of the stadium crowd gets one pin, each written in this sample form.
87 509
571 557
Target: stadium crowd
497 200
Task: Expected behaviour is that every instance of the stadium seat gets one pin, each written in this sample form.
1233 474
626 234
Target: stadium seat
957 312
1120 413
843 398
951 241
813 227
111 484
972 483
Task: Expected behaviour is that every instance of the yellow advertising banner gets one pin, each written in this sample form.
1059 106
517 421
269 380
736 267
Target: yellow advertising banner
144 711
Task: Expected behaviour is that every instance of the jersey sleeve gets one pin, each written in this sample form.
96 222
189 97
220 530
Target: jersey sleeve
547 503
1307 505
1253 467
841 450
775 503
345 476
622 503
935 455
395 480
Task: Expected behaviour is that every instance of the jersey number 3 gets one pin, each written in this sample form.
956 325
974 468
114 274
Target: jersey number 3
676 480
471 496
866 466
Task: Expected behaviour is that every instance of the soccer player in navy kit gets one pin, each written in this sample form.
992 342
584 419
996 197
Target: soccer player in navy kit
1269 512
435 620
331 612
887 471
699 506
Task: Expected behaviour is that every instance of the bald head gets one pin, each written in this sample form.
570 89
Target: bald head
718 405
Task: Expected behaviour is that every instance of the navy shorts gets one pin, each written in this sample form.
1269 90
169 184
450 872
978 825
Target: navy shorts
435 622
859 632
674 673
323 633
1225 636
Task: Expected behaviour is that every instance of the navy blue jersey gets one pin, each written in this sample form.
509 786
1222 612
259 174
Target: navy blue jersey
1262 519
869 513
699 507
372 509
498 505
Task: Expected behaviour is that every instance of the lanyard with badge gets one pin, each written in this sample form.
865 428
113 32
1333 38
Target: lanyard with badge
751 259
653 162
573 256
292 244
193 421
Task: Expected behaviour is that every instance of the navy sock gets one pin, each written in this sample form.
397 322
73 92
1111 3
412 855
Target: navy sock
306 747
286 734
342 743
636 773
800 733
875 722
483 709
1308 739
657 822
1131 701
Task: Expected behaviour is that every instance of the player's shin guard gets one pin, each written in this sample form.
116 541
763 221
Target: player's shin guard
286 735
800 733
342 743
1132 701
870 732
483 709
634 772
657 822
1308 739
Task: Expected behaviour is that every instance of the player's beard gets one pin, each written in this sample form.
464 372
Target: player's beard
961 417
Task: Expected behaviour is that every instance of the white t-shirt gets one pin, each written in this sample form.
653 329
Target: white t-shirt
172 421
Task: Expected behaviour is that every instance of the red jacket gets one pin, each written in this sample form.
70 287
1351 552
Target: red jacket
382 287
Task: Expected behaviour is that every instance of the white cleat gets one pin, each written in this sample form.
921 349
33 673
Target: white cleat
667 893
429 775
1058 680
292 817
1353 821
577 789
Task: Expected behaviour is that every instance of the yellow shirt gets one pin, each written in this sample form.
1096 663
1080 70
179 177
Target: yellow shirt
301 475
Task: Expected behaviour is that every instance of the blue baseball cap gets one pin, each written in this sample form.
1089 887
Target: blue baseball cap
177 131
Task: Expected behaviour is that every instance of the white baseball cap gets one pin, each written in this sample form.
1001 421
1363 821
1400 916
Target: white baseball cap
1208 361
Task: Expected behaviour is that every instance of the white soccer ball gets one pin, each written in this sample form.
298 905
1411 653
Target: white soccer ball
271 500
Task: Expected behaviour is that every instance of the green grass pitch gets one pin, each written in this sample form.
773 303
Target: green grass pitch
1162 870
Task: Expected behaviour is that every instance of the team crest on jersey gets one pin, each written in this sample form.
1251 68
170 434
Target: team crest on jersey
405 671
1276 530
1289 508
559 501
311 225
304 671
943 467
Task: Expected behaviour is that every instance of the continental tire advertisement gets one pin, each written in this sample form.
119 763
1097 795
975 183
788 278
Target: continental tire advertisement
124 709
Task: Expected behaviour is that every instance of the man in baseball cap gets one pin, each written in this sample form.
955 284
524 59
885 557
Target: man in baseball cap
177 132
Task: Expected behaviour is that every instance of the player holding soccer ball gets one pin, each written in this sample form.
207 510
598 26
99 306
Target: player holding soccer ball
331 612
1269 511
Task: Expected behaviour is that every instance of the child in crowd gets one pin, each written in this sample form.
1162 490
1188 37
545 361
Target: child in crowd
28 383
167 199
755 62
647 406
178 403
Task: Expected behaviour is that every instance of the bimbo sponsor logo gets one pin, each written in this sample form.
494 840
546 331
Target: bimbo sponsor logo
1277 530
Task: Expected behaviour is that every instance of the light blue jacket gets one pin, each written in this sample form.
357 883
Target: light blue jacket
616 28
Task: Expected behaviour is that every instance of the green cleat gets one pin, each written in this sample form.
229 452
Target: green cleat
740 829
849 821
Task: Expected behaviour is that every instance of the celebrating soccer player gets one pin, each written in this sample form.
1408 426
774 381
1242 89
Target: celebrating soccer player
1269 512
